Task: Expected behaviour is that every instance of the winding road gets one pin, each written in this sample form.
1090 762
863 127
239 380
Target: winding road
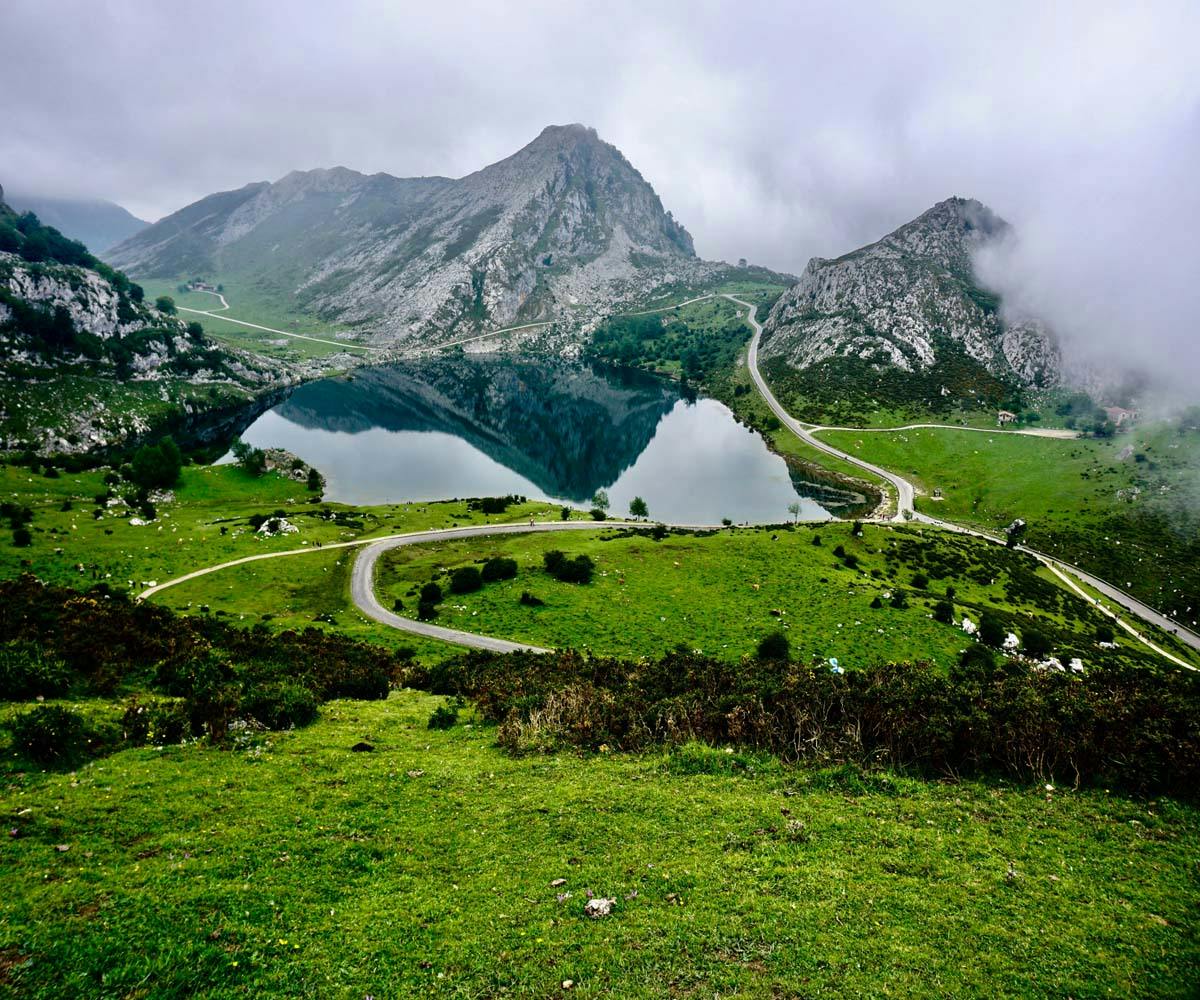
362 588
906 511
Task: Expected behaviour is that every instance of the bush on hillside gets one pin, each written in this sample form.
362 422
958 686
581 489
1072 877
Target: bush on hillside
1116 726
774 646
49 734
466 580
28 672
499 568
281 705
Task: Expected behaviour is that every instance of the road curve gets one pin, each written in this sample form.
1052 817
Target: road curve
362 579
904 489
906 511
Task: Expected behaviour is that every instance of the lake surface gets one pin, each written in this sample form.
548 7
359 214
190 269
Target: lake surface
553 430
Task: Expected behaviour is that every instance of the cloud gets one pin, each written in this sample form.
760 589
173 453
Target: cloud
773 131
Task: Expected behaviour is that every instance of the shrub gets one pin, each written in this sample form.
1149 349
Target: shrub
443 717
991 630
499 568
397 605
1035 643
899 600
283 705
466 580
22 539
774 646
597 514
577 570
1116 726
1104 633
850 561
976 661
159 721
943 612
49 734
431 593
561 567
564 513
816 540
876 602
426 611
530 601
920 581
840 551
27 672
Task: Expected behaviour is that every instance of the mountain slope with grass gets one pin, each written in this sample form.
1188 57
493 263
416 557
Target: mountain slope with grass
563 231
86 363
905 320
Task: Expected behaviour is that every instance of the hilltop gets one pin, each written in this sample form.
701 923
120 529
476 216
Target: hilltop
563 231
906 319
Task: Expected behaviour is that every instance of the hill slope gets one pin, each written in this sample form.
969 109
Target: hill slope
565 228
910 302
86 363
95 223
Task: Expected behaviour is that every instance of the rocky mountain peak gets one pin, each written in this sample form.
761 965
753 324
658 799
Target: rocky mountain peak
910 300
563 228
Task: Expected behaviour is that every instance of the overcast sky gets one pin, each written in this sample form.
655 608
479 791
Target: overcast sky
773 130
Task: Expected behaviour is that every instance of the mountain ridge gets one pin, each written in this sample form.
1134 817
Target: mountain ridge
909 299
562 231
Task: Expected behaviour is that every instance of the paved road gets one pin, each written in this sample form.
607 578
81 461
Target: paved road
906 494
433 348
362 580
904 489
362 577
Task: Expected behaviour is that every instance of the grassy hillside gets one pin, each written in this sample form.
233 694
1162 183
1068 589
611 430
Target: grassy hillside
287 865
1125 508
722 593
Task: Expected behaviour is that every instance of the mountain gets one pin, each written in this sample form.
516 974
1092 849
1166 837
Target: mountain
910 302
86 363
97 224
563 230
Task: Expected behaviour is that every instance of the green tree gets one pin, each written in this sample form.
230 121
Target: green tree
638 508
165 304
315 482
157 466
253 460
600 500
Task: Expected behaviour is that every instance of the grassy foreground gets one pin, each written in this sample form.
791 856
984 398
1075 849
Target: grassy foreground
291 866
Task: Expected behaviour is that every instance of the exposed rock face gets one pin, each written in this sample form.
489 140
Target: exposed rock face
907 298
565 228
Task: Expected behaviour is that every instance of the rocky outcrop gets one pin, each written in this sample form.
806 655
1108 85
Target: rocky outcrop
907 300
564 230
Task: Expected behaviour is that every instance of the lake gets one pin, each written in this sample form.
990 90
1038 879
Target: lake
545 429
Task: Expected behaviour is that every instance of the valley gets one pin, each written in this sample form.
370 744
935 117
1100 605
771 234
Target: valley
458 586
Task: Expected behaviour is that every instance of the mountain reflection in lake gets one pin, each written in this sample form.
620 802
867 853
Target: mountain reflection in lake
556 430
